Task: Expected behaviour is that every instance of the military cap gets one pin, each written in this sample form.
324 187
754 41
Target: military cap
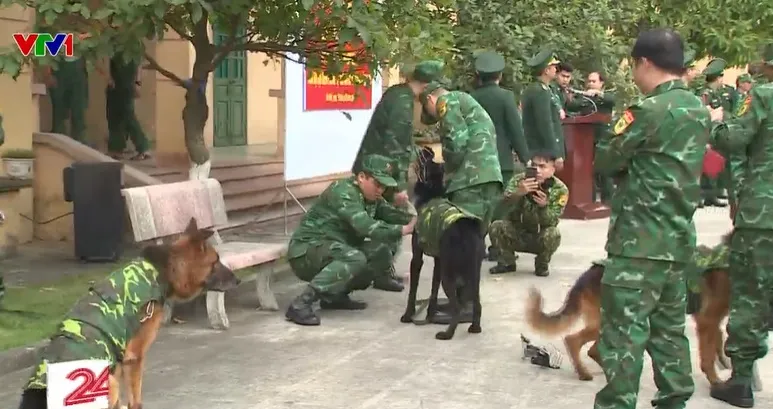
767 54
380 167
489 62
428 70
542 60
744 78
689 59
426 118
716 67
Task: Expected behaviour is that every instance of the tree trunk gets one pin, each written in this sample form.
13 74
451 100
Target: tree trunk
195 115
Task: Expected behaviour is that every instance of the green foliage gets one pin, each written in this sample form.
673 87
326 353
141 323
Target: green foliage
18 153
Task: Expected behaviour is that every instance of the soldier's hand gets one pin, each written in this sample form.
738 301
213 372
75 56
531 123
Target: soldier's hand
527 186
401 198
110 82
559 164
50 81
540 198
562 114
408 228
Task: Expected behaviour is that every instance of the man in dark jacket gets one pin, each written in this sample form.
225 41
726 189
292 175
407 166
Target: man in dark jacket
500 105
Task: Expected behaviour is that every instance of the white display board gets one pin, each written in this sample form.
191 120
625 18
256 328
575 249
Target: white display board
319 143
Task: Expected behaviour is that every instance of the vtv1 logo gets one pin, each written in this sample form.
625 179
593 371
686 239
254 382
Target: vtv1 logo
40 44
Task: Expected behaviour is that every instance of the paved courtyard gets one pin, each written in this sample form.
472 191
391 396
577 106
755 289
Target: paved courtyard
370 360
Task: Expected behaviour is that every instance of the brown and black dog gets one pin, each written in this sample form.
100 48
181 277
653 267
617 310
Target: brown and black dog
185 268
584 300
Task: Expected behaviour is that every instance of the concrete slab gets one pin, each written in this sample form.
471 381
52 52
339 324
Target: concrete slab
370 360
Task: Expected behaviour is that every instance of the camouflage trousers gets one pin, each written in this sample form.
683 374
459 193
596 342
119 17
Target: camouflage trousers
507 239
500 205
643 309
478 200
337 268
751 290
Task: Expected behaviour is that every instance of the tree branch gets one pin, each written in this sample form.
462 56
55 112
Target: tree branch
180 32
169 74
222 51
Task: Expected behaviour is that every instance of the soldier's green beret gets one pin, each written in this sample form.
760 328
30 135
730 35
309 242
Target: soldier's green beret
689 59
426 118
715 67
380 167
428 70
489 62
767 54
744 78
542 60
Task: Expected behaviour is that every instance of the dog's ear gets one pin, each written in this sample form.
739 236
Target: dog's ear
202 235
192 228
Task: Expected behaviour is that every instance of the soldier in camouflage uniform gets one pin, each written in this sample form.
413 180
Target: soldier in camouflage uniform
345 239
656 150
531 225
715 94
749 130
390 134
541 115
473 176
101 324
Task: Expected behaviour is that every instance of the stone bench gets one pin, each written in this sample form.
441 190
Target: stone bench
158 212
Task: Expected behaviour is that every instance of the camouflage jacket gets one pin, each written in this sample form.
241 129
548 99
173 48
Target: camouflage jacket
390 132
653 207
469 142
542 120
750 132
526 215
101 324
341 214
433 219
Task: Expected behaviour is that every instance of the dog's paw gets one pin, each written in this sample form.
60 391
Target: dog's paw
443 336
406 319
474 329
586 377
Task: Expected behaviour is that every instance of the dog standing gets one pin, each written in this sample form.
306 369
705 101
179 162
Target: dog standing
460 252
120 317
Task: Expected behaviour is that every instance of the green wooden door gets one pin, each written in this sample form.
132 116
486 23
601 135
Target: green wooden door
230 95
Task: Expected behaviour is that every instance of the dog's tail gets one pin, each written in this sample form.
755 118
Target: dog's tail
559 321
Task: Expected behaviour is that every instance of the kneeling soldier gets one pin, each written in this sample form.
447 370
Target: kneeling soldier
344 240
535 201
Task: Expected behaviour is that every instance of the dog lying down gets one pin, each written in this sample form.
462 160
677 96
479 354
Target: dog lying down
119 318
584 301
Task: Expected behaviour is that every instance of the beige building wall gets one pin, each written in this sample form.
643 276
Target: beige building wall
263 107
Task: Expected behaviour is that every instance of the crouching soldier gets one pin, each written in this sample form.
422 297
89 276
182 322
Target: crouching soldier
345 239
535 201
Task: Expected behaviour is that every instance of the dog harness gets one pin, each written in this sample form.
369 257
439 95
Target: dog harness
433 219
101 324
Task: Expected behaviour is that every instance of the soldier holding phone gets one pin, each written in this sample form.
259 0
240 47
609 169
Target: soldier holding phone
537 199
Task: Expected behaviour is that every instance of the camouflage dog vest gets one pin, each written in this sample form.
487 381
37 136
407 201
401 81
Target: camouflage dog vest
101 324
433 219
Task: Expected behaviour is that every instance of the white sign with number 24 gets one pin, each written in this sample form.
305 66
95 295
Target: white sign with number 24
80 384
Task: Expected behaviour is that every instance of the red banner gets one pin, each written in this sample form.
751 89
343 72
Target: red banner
331 93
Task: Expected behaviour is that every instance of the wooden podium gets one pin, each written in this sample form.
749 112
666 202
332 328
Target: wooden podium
578 167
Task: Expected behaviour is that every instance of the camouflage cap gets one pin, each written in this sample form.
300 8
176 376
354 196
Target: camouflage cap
426 118
715 67
689 59
428 70
380 167
542 60
744 78
489 62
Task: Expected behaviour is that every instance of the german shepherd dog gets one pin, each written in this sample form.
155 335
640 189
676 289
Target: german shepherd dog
188 265
462 250
584 300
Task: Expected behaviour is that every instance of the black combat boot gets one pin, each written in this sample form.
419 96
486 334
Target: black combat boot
301 310
492 253
714 202
342 302
386 283
502 268
734 392
541 267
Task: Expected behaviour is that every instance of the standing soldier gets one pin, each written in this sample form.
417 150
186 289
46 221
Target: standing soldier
715 94
500 105
750 130
473 175
541 116
742 86
657 149
67 86
390 134
122 88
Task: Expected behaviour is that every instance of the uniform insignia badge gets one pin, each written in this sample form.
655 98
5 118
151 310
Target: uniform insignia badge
441 109
563 199
744 108
624 122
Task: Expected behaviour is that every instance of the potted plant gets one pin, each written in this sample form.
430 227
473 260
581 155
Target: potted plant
18 163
